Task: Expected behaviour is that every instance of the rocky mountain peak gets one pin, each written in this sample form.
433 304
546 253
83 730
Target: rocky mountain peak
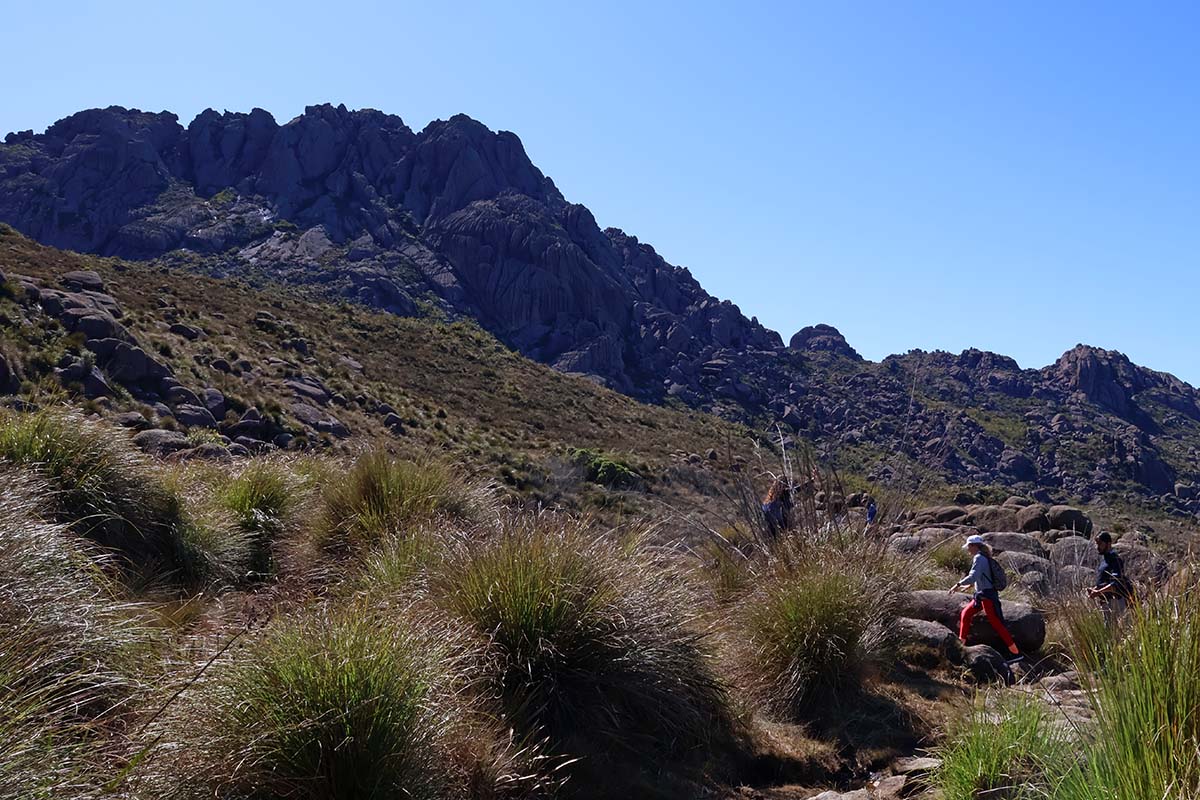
823 338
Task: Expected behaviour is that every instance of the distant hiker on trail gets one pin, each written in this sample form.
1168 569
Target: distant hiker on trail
871 512
988 579
1113 590
777 508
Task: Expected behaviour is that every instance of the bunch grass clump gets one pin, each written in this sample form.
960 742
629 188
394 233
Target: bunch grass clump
99 485
383 496
819 622
71 655
1146 689
263 498
587 642
1009 750
334 705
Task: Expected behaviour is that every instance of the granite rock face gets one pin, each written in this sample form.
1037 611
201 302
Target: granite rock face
460 207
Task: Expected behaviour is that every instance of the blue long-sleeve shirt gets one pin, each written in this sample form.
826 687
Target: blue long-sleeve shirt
980 574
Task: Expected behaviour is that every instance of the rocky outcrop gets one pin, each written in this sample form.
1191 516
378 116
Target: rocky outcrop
458 205
823 339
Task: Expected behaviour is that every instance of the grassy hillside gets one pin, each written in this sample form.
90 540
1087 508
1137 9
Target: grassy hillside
453 386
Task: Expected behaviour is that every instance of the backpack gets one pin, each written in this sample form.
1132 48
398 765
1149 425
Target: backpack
999 576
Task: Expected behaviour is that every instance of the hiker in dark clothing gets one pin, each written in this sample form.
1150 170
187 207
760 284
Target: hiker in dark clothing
1113 589
777 508
872 510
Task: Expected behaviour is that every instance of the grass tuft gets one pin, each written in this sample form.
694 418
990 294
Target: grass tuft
329 706
819 624
383 497
587 643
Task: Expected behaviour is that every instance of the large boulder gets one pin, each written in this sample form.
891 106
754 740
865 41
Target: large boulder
161 442
1009 542
933 635
1074 551
986 664
992 518
1031 519
1069 518
939 515
1027 625
1142 565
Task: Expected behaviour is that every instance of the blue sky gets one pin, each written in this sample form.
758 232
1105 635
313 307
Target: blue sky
1013 176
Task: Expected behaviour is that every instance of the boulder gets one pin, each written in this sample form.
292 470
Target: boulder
1027 625
913 542
194 416
209 451
186 331
1032 518
938 514
986 664
1074 551
93 324
1009 542
214 401
161 442
83 280
1141 564
1073 578
131 419
1069 518
933 635
127 363
992 518
1020 563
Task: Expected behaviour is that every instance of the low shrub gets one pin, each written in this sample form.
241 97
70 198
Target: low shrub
588 644
606 470
383 496
952 557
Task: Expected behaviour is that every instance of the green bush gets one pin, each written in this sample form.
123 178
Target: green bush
952 557
606 470
384 496
587 643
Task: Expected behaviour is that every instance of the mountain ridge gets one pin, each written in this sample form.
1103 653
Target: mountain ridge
456 220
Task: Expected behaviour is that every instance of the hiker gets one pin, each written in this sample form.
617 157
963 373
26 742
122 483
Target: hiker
777 508
871 512
1113 590
984 574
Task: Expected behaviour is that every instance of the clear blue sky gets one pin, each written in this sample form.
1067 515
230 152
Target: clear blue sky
1014 176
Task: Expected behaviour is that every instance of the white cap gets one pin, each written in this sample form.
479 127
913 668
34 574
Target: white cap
974 539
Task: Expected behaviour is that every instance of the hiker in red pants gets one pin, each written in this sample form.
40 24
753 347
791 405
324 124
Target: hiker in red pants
988 578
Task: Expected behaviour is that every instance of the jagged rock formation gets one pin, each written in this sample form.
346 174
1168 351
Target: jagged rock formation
457 216
455 210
